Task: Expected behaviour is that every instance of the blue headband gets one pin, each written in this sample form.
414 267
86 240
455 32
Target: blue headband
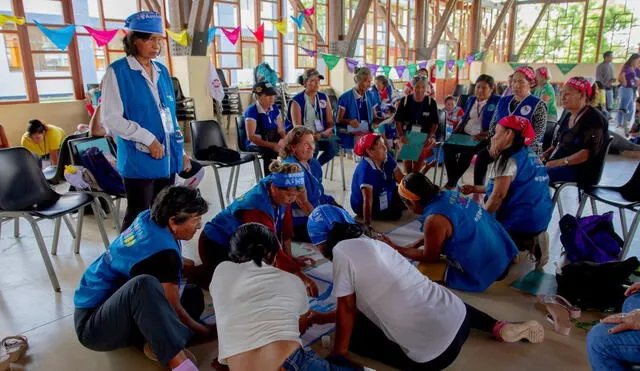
290 180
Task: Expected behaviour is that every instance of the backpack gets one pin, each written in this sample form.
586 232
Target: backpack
105 174
591 238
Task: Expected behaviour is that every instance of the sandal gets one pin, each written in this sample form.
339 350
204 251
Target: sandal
559 317
15 347
573 310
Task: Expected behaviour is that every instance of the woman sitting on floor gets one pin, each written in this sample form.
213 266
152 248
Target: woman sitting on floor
374 191
357 108
268 203
579 138
517 189
131 296
477 250
261 311
298 149
390 312
43 140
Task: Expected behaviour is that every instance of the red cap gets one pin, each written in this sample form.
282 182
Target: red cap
580 84
364 143
528 73
520 124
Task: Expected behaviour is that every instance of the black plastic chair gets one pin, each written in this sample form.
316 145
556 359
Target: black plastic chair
55 174
185 106
209 133
625 197
241 135
25 193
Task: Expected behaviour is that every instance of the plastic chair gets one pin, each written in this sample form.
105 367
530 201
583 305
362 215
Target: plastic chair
55 174
209 133
241 136
25 193
185 106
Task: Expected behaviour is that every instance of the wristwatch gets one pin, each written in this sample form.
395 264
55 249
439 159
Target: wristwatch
566 160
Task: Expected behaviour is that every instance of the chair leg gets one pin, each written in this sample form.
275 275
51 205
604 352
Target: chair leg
79 222
43 251
67 221
56 236
623 223
235 182
256 169
630 235
326 171
217 176
116 215
582 204
594 209
95 205
332 163
16 227
231 175
344 182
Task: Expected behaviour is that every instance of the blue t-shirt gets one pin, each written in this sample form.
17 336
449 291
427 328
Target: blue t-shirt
265 121
380 180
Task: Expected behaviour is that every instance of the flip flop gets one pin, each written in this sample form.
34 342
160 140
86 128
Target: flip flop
573 310
15 346
559 317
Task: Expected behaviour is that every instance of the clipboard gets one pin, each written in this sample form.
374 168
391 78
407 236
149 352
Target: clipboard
462 140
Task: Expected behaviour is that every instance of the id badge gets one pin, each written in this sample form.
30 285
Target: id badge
415 128
167 120
318 125
384 203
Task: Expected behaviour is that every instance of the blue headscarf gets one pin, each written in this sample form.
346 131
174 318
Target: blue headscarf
289 180
149 22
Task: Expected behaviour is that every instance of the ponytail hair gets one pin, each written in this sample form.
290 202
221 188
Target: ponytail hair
253 242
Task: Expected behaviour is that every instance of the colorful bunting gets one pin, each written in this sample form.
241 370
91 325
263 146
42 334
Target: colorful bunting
422 64
351 64
10 18
309 12
439 64
212 33
479 56
413 69
232 36
102 37
60 37
259 33
565 67
298 21
450 64
281 26
181 38
309 52
372 67
386 70
460 63
469 59
400 70
330 60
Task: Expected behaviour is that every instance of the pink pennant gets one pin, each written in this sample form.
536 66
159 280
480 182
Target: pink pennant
351 64
309 12
259 33
309 52
232 36
102 37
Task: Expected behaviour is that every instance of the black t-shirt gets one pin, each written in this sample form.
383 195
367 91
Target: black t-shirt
423 113
164 265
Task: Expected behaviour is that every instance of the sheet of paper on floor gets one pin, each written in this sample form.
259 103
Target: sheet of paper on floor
407 233
325 302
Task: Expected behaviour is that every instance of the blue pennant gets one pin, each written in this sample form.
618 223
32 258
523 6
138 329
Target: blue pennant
60 37
298 20
212 33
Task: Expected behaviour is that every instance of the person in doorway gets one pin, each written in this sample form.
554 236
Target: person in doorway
264 126
131 294
628 83
604 75
43 140
388 311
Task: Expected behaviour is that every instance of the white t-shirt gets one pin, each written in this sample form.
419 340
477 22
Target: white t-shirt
511 169
414 312
474 125
255 306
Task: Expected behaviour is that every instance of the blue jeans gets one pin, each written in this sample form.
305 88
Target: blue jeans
609 97
613 352
329 150
307 360
627 103
562 174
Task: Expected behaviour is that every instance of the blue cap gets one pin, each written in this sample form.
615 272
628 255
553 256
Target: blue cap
149 22
321 221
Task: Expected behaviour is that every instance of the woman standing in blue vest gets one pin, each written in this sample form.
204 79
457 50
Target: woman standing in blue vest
132 295
312 109
357 108
522 103
517 189
138 107
476 248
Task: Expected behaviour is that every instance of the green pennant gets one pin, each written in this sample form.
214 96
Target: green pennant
386 70
330 60
413 69
565 67
515 65
460 63
478 56
440 64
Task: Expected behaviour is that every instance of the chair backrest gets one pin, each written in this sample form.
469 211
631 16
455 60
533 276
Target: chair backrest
22 184
599 162
630 189
177 89
64 156
78 146
205 134
241 133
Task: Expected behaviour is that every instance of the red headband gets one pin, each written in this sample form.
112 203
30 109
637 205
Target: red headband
528 73
544 72
520 124
580 85
364 143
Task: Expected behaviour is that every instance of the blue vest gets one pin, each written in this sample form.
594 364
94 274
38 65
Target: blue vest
321 112
313 186
139 106
221 227
524 109
264 121
143 239
487 112
348 101
380 180
479 250
527 206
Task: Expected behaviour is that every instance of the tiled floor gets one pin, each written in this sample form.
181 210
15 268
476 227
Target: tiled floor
29 306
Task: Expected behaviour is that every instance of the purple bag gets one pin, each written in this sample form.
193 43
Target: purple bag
591 238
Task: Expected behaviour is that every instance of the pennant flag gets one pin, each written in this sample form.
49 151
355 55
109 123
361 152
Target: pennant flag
10 18
60 37
351 64
386 70
400 70
469 59
330 60
309 12
413 69
298 21
460 63
214 85
212 33
309 52
232 36
450 64
181 38
515 65
565 67
281 26
439 64
102 37
422 64
259 33
478 56
372 67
